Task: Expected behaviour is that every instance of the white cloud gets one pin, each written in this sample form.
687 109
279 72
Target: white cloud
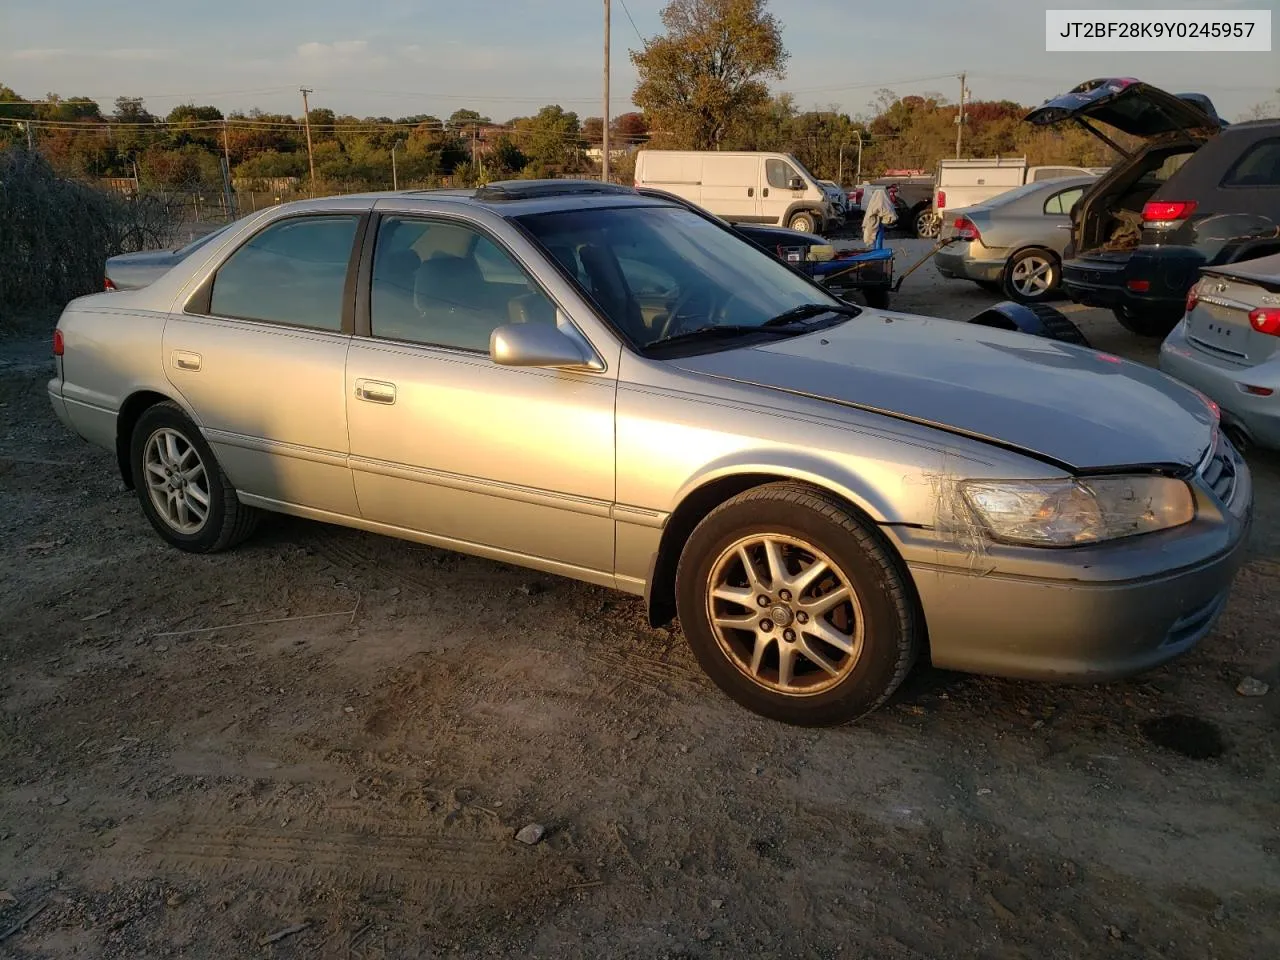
338 50
46 53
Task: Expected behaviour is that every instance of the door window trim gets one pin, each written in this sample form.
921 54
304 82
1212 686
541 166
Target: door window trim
199 303
363 305
1235 166
1062 213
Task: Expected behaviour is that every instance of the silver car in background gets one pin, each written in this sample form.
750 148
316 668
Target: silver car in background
132 271
577 378
1012 244
1228 346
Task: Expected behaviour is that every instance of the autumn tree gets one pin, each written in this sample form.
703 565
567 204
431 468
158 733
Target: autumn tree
709 70
549 139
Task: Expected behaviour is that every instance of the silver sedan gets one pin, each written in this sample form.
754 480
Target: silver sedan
1013 243
612 387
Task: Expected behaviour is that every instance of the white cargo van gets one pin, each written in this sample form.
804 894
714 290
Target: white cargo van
964 183
741 187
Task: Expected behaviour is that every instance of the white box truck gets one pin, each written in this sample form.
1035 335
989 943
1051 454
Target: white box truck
962 183
741 187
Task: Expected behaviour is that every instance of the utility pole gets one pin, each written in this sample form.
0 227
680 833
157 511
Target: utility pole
226 166
395 177
30 145
964 95
604 144
306 118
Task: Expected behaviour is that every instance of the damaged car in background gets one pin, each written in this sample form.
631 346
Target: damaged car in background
577 378
1194 192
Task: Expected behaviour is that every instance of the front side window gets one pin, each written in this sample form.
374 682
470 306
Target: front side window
1061 203
655 271
444 284
1259 167
779 174
294 273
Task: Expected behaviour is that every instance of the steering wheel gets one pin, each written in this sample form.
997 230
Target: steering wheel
680 317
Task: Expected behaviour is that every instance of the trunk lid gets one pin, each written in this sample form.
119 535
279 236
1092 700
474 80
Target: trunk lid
1131 106
1071 406
1219 322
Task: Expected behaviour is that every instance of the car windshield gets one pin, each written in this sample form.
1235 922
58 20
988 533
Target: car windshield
661 271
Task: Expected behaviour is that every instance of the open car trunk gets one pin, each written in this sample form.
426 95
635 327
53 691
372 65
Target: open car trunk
1107 221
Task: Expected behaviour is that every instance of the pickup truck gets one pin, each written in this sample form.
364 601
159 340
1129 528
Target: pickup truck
913 200
963 183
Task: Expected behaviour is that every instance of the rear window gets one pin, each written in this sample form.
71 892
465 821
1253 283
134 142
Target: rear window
1258 167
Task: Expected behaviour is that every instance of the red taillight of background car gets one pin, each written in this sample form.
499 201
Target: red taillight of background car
942 199
1139 286
107 284
58 345
1163 211
966 229
857 196
1266 320
1193 297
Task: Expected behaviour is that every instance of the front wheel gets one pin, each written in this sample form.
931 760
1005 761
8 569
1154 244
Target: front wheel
184 493
1147 322
795 607
803 222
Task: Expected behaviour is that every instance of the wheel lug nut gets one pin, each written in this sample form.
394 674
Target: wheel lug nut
762 600
785 595
802 617
766 625
789 636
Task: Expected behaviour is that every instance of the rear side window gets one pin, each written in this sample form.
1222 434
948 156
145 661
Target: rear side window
1064 201
1259 167
294 272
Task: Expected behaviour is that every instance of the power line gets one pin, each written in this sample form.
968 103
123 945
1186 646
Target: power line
632 19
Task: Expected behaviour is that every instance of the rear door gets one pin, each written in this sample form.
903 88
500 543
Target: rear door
731 186
259 353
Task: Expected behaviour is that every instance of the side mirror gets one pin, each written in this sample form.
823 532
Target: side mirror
796 183
534 345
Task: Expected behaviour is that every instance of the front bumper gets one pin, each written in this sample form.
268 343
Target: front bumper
960 266
1225 382
1083 614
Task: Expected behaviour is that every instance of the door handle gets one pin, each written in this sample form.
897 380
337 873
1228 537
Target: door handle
1064 226
186 360
751 191
764 192
376 391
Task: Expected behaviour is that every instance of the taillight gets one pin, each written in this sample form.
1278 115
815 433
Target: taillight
966 229
58 345
1266 320
942 199
1165 210
1139 286
107 284
857 196
1193 297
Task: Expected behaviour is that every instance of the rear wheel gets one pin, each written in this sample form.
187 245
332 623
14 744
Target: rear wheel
803 222
928 224
1149 322
1031 276
795 608
184 493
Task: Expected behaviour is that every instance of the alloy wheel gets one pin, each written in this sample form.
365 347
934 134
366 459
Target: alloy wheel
785 614
177 481
1032 277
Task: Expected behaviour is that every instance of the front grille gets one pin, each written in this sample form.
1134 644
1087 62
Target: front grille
1219 472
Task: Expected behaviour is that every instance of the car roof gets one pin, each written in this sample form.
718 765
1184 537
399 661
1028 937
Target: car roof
512 198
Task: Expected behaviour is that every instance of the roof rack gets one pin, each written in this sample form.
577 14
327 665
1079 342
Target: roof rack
506 190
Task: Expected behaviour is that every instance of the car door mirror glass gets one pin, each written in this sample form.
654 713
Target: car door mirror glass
796 183
535 345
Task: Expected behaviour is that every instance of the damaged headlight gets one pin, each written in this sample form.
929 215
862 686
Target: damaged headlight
1068 512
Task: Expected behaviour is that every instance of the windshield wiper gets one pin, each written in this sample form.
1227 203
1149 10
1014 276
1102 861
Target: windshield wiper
726 330
807 310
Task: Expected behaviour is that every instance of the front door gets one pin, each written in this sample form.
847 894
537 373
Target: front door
259 356
448 443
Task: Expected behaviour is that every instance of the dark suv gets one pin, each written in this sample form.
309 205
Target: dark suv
1196 192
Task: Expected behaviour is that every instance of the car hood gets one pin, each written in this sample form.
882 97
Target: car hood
1075 407
1130 105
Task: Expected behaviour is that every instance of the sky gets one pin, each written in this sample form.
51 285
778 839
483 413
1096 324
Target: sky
507 58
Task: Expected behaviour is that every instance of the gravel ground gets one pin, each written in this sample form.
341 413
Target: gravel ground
351 785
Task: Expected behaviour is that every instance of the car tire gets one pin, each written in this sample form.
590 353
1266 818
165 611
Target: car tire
876 299
183 491
815 663
1147 323
927 224
803 222
1032 276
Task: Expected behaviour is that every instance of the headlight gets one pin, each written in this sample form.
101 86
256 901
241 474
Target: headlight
1063 513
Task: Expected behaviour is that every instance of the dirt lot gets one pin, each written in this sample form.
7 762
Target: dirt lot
175 790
